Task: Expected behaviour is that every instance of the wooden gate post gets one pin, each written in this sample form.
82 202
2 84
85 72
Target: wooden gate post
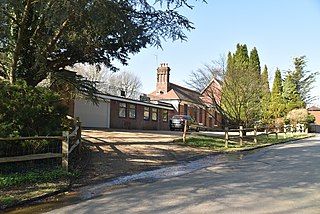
79 135
241 135
185 132
255 134
285 131
65 150
226 129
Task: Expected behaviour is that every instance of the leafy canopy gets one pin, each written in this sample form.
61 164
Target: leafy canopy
29 111
43 38
241 86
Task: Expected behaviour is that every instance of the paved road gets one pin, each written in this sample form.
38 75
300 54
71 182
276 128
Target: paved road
278 180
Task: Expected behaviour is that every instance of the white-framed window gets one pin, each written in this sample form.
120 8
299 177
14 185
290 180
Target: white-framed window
122 110
154 114
146 113
132 111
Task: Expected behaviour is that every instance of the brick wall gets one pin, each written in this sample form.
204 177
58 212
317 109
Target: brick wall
202 116
138 122
317 115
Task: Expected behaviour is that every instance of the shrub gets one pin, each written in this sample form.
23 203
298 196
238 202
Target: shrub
298 116
29 111
311 118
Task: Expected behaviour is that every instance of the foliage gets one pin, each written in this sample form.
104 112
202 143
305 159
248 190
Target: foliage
279 122
28 111
311 118
241 86
254 63
296 116
277 85
277 106
265 97
207 81
42 39
302 79
291 96
33 177
110 82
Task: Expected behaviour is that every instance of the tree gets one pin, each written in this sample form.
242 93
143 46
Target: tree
110 82
254 64
265 96
41 39
29 111
241 86
123 82
207 81
291 96
302 79
277 106
298 116
265 88
199 79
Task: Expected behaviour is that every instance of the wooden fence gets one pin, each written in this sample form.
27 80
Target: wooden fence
69 141
275 130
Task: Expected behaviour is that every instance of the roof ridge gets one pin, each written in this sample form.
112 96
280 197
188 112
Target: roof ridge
185 88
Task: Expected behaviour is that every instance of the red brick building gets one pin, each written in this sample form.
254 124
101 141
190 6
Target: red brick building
186 101
123 113
315 111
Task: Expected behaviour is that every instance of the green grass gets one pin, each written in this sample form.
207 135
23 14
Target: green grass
22 186
218 144
7 180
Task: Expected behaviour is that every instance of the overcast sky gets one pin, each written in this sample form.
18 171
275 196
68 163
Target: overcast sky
279 29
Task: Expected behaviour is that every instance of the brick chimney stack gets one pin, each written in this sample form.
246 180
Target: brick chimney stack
163 84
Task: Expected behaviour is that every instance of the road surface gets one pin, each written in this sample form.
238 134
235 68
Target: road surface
279 180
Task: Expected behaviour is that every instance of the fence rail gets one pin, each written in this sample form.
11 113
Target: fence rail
74 138
275 130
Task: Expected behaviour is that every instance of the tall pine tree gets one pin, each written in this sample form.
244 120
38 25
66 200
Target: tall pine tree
303 79
291 96
265 96
254 63
241 90
277 106
265 87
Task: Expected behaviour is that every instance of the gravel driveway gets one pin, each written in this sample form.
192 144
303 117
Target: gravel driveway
113 153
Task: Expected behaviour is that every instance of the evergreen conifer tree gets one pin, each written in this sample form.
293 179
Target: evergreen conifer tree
265 96
254 63
291 96
303 79
277 106
241 89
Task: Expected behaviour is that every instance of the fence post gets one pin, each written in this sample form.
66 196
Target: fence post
277 130
65 150
285 131
185 132
255 134
266 132
226 129
291 127
241 135
79 135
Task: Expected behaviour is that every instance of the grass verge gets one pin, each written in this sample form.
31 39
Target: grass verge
218 144
19 187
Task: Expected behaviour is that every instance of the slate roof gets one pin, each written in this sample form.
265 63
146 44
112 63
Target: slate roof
185 93
313 108
177 92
